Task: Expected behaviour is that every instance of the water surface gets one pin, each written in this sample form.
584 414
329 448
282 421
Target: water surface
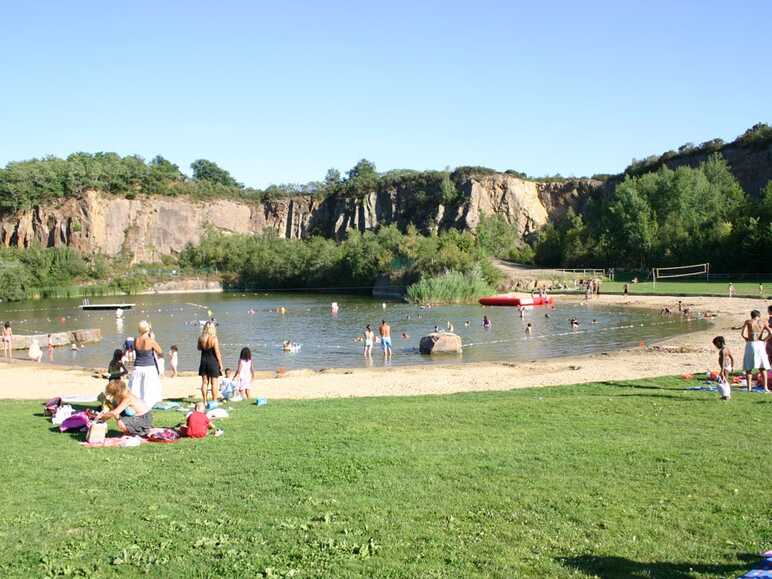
328 340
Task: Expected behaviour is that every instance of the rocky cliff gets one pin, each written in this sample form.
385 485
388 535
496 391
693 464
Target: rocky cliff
147 228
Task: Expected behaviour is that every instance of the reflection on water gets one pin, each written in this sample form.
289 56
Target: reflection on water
329 339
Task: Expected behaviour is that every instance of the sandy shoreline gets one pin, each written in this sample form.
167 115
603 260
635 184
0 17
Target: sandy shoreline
690 352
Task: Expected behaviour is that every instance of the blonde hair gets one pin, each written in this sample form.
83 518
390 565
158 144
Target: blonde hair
144 327
117 390
209 330
200 407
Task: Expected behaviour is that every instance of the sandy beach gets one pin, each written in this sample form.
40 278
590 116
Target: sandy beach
690 352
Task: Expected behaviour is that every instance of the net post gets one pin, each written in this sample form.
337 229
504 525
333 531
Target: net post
654 276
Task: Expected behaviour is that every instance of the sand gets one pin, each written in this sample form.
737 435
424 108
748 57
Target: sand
690 352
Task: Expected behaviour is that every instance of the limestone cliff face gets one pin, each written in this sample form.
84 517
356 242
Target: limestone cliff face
147 228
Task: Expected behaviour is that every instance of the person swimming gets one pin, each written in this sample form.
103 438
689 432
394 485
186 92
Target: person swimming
574 323
486 323
529 328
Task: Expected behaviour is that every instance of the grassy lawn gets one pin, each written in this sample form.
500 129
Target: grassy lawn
635 479
690 288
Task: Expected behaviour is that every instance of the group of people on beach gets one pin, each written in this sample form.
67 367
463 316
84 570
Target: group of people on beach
757 334
132 402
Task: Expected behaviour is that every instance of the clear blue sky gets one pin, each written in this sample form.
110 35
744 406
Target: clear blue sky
279 92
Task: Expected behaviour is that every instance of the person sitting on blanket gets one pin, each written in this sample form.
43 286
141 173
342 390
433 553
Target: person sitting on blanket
198 424
137 424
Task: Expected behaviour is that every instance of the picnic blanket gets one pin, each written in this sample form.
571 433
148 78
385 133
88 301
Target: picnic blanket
163 435
120 442
763 571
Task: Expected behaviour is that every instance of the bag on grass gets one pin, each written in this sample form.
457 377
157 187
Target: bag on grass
97 432
50 407
77 421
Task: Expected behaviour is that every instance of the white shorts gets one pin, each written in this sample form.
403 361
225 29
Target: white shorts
755 356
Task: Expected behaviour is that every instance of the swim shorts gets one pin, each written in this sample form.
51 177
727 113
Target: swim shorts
386 343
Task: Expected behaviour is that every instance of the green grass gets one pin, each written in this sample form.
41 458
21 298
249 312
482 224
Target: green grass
690 288
636 479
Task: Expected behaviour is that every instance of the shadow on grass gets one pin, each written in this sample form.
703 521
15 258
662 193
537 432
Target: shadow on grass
610 567
656 392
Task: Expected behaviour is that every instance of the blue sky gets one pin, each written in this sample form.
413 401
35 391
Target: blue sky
279 92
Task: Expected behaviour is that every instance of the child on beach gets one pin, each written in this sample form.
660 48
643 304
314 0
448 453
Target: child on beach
245 372
369 339
116 369
726 364
137 424
228 386
173 360
197 424
50 348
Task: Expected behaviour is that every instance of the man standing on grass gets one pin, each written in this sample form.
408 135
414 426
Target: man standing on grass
385 331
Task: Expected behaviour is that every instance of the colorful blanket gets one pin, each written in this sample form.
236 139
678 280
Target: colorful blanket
764 570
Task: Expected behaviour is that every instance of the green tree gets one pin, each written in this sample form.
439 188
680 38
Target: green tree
205 170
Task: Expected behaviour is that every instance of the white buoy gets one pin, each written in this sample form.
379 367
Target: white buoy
334 307
383 305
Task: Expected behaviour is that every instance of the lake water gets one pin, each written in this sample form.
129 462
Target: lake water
328 340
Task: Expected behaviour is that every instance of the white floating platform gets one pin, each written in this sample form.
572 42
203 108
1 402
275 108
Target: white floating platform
106 306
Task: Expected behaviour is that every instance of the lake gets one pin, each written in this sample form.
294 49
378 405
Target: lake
328 340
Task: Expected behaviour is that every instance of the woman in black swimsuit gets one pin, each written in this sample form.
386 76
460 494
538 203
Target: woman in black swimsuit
210 368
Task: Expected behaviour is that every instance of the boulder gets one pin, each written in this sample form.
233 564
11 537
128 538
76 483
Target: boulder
440 343
22 342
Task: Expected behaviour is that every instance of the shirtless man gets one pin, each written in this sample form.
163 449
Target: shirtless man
385 331
756 332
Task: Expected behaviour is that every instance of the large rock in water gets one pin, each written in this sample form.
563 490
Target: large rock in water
440 343
22 342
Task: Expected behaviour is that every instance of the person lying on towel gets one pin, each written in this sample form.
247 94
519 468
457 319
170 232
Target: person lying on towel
130 413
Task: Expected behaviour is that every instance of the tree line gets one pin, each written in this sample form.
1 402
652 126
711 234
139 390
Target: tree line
666 217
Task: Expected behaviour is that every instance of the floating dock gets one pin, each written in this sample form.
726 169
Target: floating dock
106 306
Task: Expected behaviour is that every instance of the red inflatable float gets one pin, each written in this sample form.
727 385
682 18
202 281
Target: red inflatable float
515 300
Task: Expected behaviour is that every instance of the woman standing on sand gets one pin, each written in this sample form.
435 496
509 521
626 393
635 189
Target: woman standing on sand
756 332
210 368
145 381
7 340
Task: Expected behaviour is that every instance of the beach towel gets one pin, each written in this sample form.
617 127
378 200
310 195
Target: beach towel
217 413
763 570
163 435
166 405
704 387
117 442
